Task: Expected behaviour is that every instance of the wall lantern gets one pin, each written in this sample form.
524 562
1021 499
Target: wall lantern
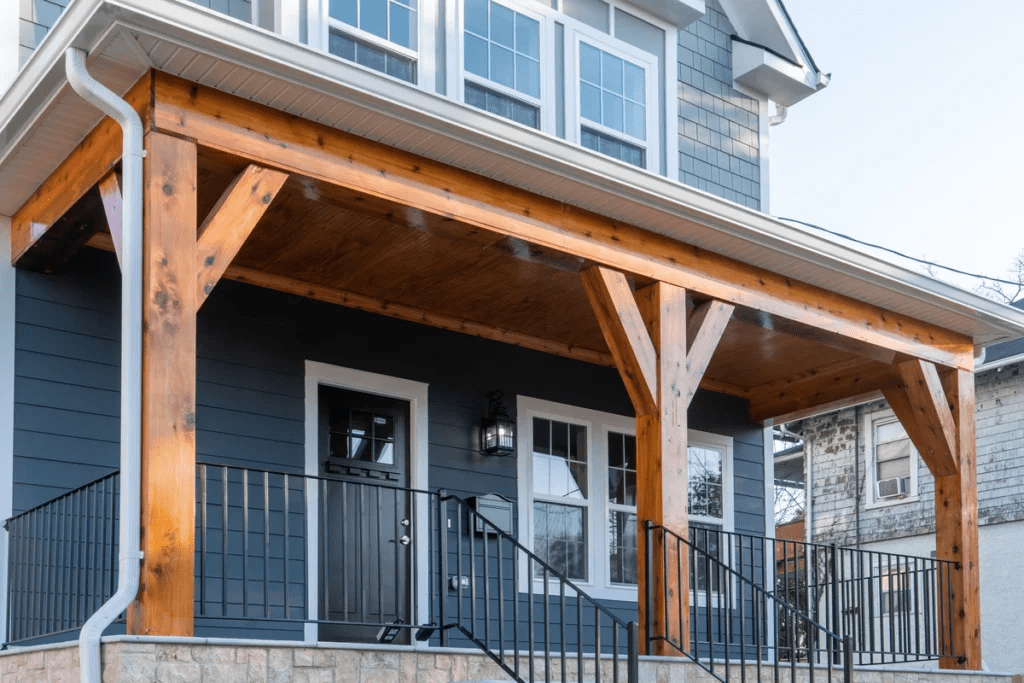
498 431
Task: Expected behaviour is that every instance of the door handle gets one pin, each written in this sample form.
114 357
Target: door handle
405 540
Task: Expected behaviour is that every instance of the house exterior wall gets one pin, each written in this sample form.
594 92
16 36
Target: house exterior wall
252 348
836 446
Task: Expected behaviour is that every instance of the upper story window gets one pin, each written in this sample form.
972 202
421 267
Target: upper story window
380 34
892 460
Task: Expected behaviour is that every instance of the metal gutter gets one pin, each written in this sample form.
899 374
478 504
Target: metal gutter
129 555
727 228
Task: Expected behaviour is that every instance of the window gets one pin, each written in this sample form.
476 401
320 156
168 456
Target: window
615 107
891 461
577 478
502 60
895 595
380 34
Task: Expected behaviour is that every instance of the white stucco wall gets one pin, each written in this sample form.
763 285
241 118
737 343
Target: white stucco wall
1002 589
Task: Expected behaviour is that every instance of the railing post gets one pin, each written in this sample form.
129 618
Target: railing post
633 662
836 617
847 659
442 567
648 578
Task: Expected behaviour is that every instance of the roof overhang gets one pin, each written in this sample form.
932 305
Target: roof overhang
681 13
41 121
781 80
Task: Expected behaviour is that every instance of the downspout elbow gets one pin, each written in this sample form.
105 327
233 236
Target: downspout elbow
781 111
130 556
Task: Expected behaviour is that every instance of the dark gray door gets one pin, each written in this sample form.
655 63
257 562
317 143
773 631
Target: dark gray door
366 522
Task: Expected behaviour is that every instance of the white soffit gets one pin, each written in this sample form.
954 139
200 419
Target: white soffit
784 82
41 121
681 13
765 22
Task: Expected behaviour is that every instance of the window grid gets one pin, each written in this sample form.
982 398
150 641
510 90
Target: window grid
613 92
502 46
392 20
622 520
561 492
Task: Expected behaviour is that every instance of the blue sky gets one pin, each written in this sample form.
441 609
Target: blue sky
918 142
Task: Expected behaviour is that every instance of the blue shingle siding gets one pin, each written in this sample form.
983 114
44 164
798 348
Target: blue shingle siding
719 150
250 409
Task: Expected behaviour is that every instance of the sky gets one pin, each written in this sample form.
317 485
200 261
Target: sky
917 143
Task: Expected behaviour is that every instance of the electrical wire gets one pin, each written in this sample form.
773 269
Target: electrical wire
899 253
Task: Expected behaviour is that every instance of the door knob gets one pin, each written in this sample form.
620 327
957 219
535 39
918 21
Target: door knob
405 540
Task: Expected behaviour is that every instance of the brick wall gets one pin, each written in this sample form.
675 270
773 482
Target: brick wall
719 150
837 482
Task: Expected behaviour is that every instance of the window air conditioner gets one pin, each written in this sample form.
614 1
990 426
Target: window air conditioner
894 488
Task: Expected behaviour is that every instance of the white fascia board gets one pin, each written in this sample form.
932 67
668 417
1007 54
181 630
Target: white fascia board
766 22
715 224
784 82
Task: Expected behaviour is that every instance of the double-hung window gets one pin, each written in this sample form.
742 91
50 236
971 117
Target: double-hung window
892 460
383 35
502 57
578 484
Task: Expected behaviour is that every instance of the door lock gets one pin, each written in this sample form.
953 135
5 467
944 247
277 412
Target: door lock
405 540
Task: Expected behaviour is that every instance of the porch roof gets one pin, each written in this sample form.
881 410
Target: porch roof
41 121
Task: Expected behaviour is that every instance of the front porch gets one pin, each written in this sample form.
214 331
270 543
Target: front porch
486 285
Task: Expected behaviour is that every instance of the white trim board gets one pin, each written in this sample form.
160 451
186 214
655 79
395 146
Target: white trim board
7 303
382 385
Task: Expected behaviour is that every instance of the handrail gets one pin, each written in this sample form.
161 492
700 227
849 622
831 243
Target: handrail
510 645
716 606
58 497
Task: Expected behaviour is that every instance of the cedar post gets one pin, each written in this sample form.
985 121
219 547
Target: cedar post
938 415
165 602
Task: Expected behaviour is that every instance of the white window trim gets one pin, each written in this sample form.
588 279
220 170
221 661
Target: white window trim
457 74
598 425
320 22
870 494
575 32
7 308
416 393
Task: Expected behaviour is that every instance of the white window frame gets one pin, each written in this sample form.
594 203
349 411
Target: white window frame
577 32
728 518
416 393
458 75
320 24
871 501
598 424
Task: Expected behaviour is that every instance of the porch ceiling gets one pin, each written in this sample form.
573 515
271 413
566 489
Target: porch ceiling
332 243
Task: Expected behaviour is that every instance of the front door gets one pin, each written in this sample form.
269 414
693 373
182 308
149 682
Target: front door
366 524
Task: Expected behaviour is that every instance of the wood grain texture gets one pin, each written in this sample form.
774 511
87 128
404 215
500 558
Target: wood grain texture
113 203
165 602
662 467
704 330
231 221
86 165
274 138
956 534
935 427
625 334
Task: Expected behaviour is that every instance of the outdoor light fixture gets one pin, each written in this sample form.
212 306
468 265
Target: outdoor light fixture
498 432
389 632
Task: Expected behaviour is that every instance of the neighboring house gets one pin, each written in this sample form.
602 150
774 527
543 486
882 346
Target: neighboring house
430 326
869 488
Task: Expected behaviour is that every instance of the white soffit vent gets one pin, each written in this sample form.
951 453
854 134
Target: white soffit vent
781 80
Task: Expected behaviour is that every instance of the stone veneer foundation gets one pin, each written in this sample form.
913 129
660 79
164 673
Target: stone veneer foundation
193 660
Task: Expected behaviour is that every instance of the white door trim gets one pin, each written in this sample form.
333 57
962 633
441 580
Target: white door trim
382 385
7 303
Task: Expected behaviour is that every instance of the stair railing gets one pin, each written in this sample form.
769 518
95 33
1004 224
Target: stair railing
738 630
530 619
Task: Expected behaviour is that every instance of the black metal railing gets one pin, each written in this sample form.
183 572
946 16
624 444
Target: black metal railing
738 630
62 561
535 623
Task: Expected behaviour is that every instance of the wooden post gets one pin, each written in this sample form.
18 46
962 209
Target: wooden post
939 419
661 355
165 602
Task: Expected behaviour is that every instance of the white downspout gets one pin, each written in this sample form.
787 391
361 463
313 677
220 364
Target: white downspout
781 111
130 557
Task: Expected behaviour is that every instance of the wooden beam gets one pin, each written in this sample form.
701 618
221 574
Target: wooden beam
165 602
110 193
275 138
662 472
933 427
627 337
834 385
704 330
956 538
230 223
94 158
